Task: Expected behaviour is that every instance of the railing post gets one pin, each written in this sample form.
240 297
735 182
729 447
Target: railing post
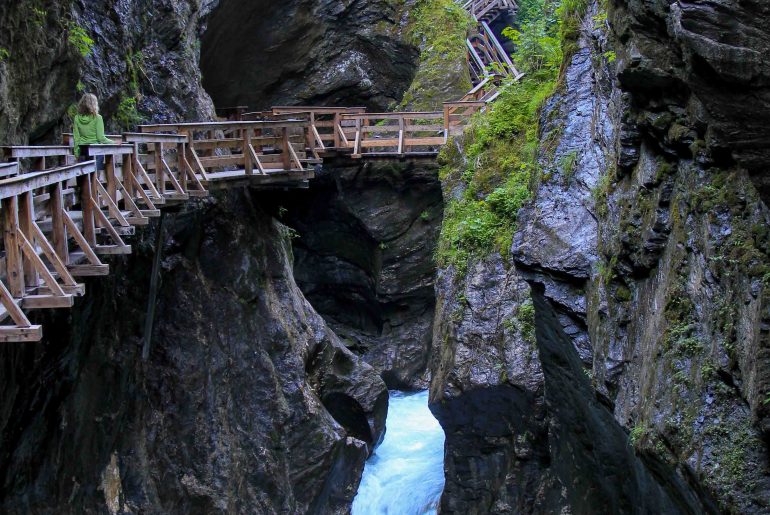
336 129
26 219
286 155
127 171
89 228
180 165
248 163
160 177
13 261
109 171
57 221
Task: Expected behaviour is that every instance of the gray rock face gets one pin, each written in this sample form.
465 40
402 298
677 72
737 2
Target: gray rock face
643 391
324 52
247 403
149 47
711 55
364 259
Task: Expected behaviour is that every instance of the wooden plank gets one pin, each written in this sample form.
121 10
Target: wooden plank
48 301
112 207
29 151
17 185
140 137
89 270
33 333
108 150
113 250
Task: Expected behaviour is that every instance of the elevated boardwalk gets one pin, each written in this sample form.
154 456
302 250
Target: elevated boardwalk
61 218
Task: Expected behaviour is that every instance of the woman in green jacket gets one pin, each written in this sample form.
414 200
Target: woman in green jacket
88 125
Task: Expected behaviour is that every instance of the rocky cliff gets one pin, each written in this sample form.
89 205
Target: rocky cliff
139 57
247 401
627 371
366 234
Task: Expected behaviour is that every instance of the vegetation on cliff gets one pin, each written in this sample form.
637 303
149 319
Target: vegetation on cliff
498 164
439 29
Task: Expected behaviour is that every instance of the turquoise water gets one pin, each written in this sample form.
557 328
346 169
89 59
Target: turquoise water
405 475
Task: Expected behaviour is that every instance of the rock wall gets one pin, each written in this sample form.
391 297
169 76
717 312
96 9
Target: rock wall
264 53
630 375
142 63
366 234
248 401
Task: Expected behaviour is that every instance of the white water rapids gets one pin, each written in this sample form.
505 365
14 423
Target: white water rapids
405 475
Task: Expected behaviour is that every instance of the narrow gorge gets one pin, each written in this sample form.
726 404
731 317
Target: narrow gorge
576 280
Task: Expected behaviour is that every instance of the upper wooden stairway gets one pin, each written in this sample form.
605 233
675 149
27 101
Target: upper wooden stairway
61 218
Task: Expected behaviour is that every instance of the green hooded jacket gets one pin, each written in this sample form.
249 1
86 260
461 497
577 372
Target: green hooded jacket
88 130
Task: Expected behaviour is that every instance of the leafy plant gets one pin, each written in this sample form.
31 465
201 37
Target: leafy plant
79 39
4 54
127 114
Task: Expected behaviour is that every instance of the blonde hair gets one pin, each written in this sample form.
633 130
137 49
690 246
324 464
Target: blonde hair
88 105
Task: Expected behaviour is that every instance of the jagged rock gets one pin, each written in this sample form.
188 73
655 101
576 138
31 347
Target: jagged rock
323 52
248 401
147 48
364 259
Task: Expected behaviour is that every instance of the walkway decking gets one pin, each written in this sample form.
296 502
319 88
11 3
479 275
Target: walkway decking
60 217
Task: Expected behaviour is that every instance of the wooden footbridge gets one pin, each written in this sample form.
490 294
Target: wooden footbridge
61 218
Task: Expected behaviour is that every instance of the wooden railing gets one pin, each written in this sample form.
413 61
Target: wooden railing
223 150
57 222
481 8
328 129
54 229
394 134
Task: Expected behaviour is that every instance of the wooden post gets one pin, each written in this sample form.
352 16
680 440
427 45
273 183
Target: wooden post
181 165
337 128
26 219
286 155
89 229
13 261
160 178
109 171
59 230
127 169
248 163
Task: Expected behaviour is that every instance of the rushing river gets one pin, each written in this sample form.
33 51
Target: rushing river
405 475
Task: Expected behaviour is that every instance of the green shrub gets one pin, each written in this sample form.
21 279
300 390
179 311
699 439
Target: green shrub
127 115
79 39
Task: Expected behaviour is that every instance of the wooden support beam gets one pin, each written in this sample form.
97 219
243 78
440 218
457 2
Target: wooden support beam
26 219
13 261
59 231
81 241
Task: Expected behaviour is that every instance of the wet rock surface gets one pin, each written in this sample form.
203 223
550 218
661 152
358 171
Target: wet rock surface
644 262
323 52
248 401
366 234
141 51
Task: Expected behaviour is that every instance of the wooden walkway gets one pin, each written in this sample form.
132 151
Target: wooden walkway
60 218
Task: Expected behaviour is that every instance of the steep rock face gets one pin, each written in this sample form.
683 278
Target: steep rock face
247 403
708 58
323 52
142 51
364 259
633 399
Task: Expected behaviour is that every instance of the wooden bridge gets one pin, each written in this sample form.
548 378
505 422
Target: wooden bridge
60 218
